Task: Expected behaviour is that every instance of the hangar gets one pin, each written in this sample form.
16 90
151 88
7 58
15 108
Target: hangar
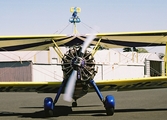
45 65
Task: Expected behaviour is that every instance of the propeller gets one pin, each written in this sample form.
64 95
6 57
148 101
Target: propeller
70 86
87 42
69 90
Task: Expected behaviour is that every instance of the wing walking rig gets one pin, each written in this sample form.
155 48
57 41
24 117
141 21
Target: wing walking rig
75 19
78 64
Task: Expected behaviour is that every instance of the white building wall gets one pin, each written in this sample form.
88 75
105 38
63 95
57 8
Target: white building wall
46 73
110 72
115 57
147 64
42 57
18 56
102 57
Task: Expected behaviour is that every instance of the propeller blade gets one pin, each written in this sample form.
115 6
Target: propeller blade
70 86
87 42
69 90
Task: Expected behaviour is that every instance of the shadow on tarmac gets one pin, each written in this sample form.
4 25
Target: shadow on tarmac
66 110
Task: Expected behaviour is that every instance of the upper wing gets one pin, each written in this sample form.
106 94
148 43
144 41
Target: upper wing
36 42
133 84
132 39
109 40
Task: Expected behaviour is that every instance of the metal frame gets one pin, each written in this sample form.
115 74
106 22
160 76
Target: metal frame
59 91
96 47
57 49
92 82
165 61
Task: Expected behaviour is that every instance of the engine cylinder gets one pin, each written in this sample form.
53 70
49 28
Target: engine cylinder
84 64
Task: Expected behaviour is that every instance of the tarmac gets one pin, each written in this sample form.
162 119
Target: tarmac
130 105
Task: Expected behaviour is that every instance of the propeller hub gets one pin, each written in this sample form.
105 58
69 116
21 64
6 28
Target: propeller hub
77 62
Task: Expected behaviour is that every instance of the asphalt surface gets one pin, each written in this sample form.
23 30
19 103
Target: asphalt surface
130 105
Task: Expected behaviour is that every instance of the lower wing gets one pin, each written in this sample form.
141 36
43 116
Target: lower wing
133 84
40 87
104 85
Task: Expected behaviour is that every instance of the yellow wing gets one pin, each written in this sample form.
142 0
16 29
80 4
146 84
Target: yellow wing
133 84
104 85
40 87
35 42
133 39
109 40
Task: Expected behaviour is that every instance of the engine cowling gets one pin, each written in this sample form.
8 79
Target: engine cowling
84 64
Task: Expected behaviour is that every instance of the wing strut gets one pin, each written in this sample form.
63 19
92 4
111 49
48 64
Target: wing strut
165 60
96 47
57 49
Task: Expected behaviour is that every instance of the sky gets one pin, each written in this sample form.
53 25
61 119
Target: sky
31 17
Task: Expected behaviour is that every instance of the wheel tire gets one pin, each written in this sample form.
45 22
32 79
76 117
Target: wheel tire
110 111
74 104
48 107
49 113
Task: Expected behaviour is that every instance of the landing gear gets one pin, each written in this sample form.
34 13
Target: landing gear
74 104
109 105
48 106
110 111
109 101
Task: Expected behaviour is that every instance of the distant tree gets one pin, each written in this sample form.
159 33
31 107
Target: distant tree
139 50
135 49
161 55
127 49
142 50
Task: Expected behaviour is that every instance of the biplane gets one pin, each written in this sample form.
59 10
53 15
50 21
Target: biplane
78 64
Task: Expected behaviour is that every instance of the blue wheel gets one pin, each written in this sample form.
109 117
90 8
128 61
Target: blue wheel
109 105
48 106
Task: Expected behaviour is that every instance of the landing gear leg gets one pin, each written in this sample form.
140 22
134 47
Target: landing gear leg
49 103
74 104
109 101
59 91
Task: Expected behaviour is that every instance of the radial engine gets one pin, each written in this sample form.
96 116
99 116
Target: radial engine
84 64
